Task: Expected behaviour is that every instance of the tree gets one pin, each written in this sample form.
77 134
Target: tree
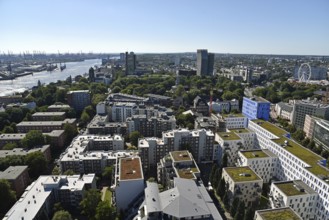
85 118
234 206
62 215
240 212
104 211
134 136
249 215
9 146
90 202
8 130
37 164
56 171
33 138
107 173
57 207
225 160
298 135
226 200
212 173
70 132
7 198
69 172
221 188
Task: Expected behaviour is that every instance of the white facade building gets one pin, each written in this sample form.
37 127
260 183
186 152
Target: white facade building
273 214
129 183
234 121
296 162
263 162
296 195
243 183
38 199
230 143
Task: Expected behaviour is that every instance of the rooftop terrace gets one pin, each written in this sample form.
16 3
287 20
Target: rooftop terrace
282 214
254 154
228 136
240 130
290 188
241 174
180 156
296 149
130 168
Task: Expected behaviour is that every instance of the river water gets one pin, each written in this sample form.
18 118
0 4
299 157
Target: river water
20 84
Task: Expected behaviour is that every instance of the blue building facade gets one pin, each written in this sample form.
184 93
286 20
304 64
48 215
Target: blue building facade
256 108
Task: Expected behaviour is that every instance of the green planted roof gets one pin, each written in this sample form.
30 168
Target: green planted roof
296 149
254 154
228 136
289 189
241 174
279 214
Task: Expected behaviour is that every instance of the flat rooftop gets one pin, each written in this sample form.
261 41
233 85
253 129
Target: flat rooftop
233 115
296 149
294 188
130 168
180 156
254 154
229 136
12 172
240 130
59 106
49 114
281 213
241 174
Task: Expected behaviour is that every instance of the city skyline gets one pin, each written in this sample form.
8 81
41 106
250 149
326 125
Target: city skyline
253 27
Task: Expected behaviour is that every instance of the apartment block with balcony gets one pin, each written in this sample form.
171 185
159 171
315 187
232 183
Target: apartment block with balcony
39 197
177 164
295 162
274 214
296 195
129 182
243 183
263 162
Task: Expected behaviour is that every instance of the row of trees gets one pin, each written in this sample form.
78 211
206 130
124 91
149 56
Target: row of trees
284 91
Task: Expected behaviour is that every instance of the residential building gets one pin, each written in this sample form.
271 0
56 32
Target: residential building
309 125
234 121
92 153
101 126
57 138
308 107
11 99
177 164
129 184
186 200
229 143
200 106
57 108
120 111
49 116
199 142
296 195
43 126
263 162
79 99
321 133
130 63
207 123
122 97
295 162
205 63
159 99
225 106
243 183
18 178
256 108
38 199
284 110
45 150
272 214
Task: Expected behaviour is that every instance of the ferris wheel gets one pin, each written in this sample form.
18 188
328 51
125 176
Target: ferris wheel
304 72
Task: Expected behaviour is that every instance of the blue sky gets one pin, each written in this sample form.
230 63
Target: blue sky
231 26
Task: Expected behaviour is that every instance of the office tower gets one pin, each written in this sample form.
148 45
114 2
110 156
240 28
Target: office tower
130 63
256 107
205 62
